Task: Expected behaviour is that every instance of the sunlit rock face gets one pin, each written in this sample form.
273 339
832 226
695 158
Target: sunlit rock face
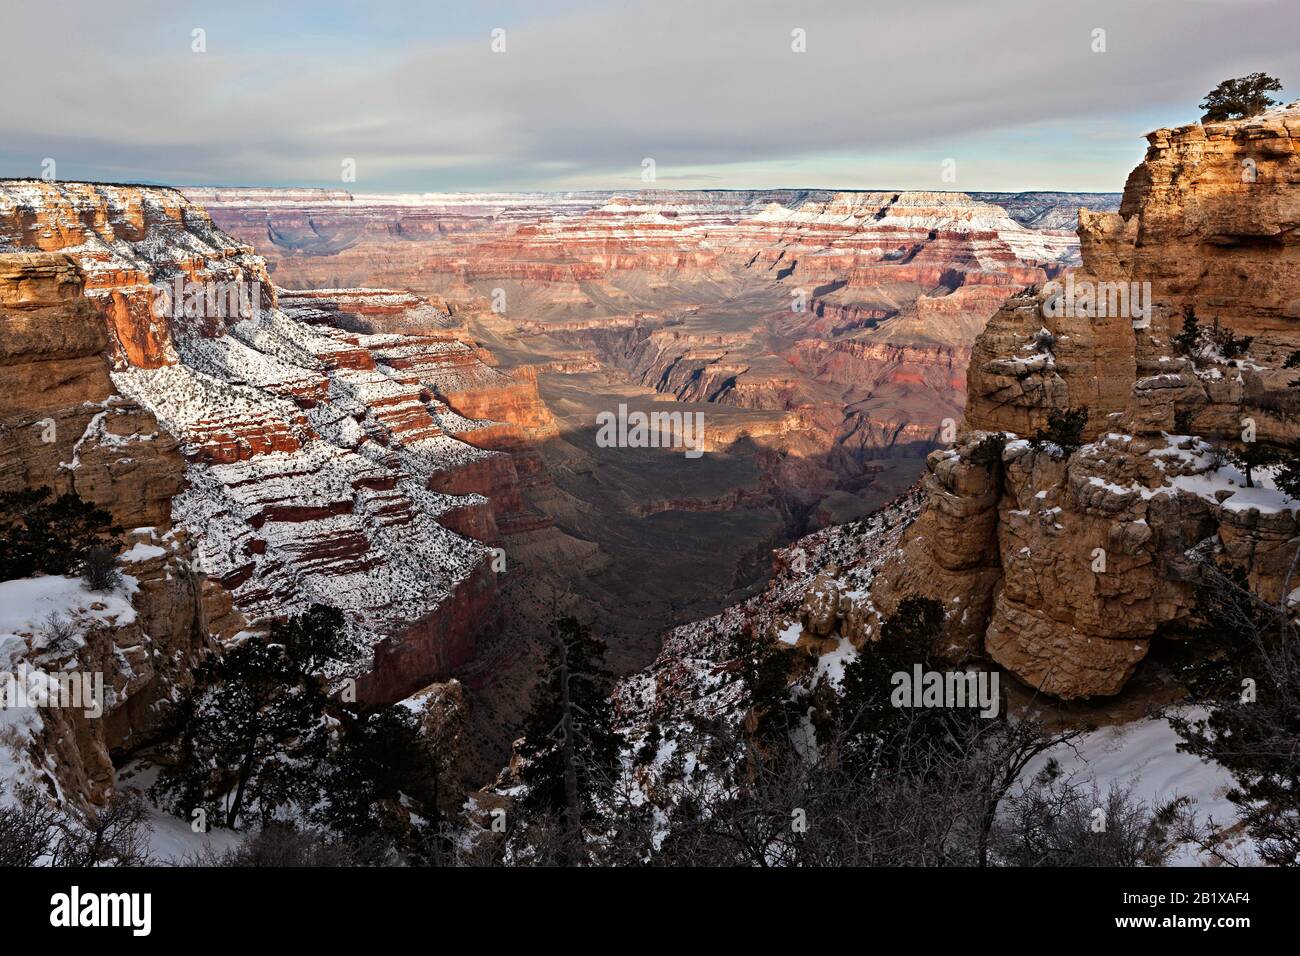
344 446
1063 567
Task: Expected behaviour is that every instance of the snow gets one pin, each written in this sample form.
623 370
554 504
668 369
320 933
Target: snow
790 634
1144 753
170 839
25 606
27 602
830 666
143 552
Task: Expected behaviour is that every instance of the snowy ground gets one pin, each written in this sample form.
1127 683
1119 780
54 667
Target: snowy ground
1144 754
26 655
172 840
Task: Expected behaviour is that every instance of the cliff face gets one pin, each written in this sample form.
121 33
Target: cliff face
63 425
1063 567
345 446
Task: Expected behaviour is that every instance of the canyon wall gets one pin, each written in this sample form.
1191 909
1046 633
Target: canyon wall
1062 564
348 447
63 426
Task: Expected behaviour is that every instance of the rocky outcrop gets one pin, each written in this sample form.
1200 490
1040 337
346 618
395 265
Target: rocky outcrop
345 446
1062 565
63 426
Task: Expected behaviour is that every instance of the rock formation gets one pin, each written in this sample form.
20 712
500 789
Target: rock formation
850 313
1063 564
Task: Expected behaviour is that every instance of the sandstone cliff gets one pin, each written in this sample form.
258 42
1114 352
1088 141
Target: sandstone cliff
63 425
1064 565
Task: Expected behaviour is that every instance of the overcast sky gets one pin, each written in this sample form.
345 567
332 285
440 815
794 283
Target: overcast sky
583 92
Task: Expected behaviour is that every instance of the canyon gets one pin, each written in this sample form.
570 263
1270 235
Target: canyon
403 426
298 454
824 334
1070 570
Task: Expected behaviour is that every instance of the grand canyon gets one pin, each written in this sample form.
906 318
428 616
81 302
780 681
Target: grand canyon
583 513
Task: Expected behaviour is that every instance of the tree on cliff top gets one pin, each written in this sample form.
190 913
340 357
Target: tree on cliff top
1237 99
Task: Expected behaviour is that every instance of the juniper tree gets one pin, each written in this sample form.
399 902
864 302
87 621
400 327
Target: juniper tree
1240 98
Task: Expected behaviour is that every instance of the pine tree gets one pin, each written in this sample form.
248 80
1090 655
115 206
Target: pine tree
1288 475
1185 342
763 667
249 732
1251 457
1251 684
870 727
43 536
380 773
570 749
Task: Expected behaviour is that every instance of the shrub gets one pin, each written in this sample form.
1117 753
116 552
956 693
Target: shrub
1189 341
1230 346
99 571
988 450
58 634
1064 429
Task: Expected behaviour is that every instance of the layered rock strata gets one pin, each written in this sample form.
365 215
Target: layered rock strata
853 313
344 447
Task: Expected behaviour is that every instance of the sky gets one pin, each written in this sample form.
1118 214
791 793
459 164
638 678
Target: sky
478 95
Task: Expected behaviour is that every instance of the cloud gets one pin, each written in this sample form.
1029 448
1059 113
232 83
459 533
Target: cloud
582 95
